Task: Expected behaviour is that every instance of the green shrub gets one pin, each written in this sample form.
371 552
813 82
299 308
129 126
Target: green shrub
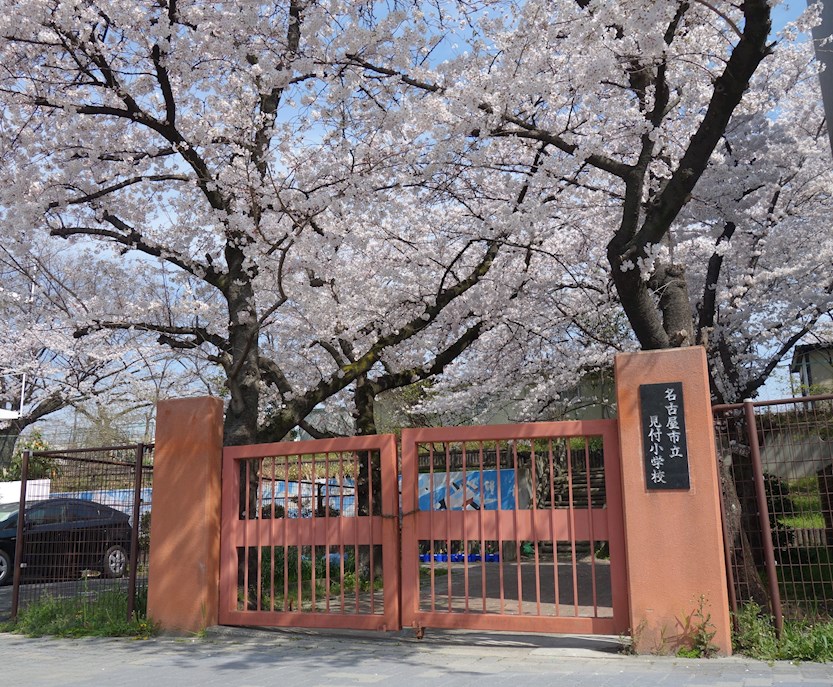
754 635
800 640
40 467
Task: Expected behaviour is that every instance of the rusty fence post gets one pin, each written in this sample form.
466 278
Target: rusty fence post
18 545
727 542
134 535
763 513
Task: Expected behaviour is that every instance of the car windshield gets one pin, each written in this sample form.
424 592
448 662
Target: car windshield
7 510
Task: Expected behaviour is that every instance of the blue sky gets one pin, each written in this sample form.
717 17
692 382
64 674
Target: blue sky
787 12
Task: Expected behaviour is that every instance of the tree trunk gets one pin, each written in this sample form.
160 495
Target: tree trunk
10 435
369 481
243 380
669 282
547 495
8 440
740 507
748 583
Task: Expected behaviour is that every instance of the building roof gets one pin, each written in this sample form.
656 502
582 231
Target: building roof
801 350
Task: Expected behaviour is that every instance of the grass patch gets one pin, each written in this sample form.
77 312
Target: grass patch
321 593
804 494
104 615
805 500
803 521
800 640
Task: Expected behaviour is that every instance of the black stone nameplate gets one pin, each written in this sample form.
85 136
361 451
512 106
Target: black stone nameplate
663 436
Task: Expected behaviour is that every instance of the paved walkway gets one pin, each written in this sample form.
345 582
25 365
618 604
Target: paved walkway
307 659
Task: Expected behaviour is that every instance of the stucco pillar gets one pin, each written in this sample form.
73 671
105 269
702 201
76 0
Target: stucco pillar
183 580
673 537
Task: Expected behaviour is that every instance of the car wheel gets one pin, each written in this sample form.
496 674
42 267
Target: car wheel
115 561
6 568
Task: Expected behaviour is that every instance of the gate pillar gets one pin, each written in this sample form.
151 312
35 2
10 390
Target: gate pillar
183 580
673 536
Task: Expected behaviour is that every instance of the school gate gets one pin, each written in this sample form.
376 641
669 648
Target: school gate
536 527
504 527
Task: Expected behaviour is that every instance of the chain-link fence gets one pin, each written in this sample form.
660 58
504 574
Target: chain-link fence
80 529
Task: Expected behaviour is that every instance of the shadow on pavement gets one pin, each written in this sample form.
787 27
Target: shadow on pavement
604 644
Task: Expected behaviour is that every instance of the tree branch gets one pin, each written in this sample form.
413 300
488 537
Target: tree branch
393 380
271 373
200 334
729 88
164 84
118 187
525 129
707 309
134 240
316 433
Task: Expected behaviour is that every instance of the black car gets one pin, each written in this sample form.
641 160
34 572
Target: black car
63 537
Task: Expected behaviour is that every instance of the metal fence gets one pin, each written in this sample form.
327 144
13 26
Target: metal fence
81 528
776 465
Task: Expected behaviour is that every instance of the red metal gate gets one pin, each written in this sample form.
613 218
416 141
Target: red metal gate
514 527
309 534
508 527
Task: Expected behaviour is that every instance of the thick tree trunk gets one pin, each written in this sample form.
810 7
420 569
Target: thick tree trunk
369 481
638 302
748 583
243 381
8 440
740 507
545 493
671 289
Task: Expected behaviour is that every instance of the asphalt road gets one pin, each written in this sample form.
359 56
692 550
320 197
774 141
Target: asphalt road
250 658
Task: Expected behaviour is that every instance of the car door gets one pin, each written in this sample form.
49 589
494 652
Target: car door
44 540
85 535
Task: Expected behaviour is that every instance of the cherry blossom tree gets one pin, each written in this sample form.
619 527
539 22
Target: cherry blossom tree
635 110
293 249
328 200
325 200
759 243
46 369
647 110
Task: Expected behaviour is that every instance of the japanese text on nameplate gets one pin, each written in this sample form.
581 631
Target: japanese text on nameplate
663 436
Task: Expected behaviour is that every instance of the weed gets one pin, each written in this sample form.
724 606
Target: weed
105 615
799 641
602 551
630 644
698 632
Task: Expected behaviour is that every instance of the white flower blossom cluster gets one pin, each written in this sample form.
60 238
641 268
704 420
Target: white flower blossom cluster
305 205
